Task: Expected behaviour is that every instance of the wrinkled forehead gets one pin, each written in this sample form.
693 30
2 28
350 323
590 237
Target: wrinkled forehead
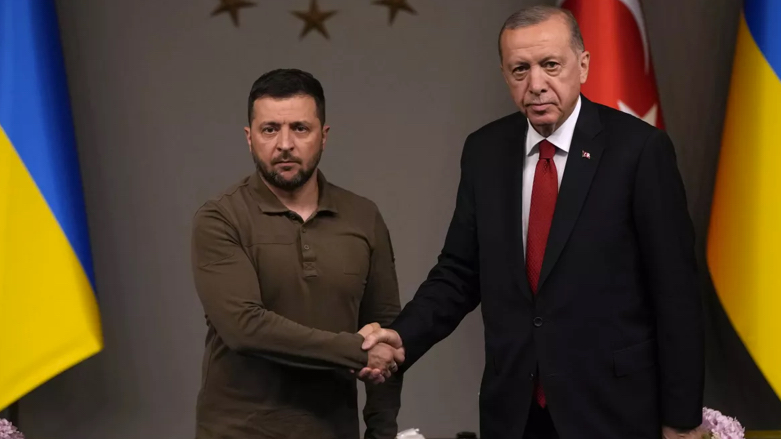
280 110
533 43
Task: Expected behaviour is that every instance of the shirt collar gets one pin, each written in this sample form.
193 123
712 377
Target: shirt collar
561 138
269 203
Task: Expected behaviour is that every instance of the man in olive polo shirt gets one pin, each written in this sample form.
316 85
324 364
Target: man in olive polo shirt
288 267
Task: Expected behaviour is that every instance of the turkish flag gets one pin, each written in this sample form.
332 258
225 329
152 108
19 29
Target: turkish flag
621 74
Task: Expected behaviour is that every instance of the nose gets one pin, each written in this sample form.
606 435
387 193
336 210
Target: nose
285 139
537 81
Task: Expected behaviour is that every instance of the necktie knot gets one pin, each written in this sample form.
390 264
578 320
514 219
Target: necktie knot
547 150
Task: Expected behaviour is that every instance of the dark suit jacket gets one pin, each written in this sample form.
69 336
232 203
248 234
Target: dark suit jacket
615 330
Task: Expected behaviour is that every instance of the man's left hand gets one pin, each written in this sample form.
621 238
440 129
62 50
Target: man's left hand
671 433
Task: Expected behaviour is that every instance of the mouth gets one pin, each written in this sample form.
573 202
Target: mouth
285 166
286 162
540 107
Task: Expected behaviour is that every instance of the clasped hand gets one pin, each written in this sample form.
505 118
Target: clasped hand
385 353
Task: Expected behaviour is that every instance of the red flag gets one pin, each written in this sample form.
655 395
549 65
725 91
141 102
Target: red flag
621 74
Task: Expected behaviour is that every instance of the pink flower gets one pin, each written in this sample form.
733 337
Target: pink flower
8 431
720 426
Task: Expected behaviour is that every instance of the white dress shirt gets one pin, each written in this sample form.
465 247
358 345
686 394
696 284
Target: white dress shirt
561 139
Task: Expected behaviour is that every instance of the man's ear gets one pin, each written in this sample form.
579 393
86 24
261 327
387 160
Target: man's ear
585 58
248 135
326 129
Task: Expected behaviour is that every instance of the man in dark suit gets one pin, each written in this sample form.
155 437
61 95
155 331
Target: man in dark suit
571 229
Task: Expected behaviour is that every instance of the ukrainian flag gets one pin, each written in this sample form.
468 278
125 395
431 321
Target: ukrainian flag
744 242
48 312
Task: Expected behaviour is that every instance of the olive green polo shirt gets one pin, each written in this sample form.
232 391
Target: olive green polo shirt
283 299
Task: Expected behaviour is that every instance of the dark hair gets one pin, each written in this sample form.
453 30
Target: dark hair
537 14
286 83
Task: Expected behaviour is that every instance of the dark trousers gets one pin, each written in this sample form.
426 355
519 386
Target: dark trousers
539 425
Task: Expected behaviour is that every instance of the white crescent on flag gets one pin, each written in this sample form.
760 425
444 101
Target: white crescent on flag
621 74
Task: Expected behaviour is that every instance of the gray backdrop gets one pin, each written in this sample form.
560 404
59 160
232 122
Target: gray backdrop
159 101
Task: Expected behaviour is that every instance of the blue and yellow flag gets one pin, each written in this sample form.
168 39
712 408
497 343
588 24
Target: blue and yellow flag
744 242
48 312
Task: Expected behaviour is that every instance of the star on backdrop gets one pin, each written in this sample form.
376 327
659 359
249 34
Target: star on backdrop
314 19
394 6
232 7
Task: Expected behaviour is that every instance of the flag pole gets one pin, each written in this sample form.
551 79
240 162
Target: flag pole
13 414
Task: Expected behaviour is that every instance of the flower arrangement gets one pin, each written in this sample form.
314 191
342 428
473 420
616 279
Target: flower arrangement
719 426
714 424
8 431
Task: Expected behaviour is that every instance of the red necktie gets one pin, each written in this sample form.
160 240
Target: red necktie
543 202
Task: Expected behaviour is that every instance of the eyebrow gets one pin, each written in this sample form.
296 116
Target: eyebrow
549 58
515 64
277 125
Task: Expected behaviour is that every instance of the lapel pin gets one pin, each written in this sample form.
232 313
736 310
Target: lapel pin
585 155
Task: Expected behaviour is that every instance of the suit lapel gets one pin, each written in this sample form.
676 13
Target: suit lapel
582 161
516 153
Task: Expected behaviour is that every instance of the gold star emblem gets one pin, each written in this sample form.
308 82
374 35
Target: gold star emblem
232 7
394 6
314 19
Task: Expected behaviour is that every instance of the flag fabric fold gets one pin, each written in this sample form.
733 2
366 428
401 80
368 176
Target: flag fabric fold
49 317
621 73
744 241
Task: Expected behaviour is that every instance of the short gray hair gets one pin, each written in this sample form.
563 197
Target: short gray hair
537 14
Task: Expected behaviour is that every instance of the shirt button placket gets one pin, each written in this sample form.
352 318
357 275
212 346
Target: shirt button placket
308 255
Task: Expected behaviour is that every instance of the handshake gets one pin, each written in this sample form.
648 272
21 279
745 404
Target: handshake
385 353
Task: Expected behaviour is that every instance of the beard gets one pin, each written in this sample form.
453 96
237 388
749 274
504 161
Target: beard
274 178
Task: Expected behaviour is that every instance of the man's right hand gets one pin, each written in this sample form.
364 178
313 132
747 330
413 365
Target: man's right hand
383 361
382 335
381 338
368 329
